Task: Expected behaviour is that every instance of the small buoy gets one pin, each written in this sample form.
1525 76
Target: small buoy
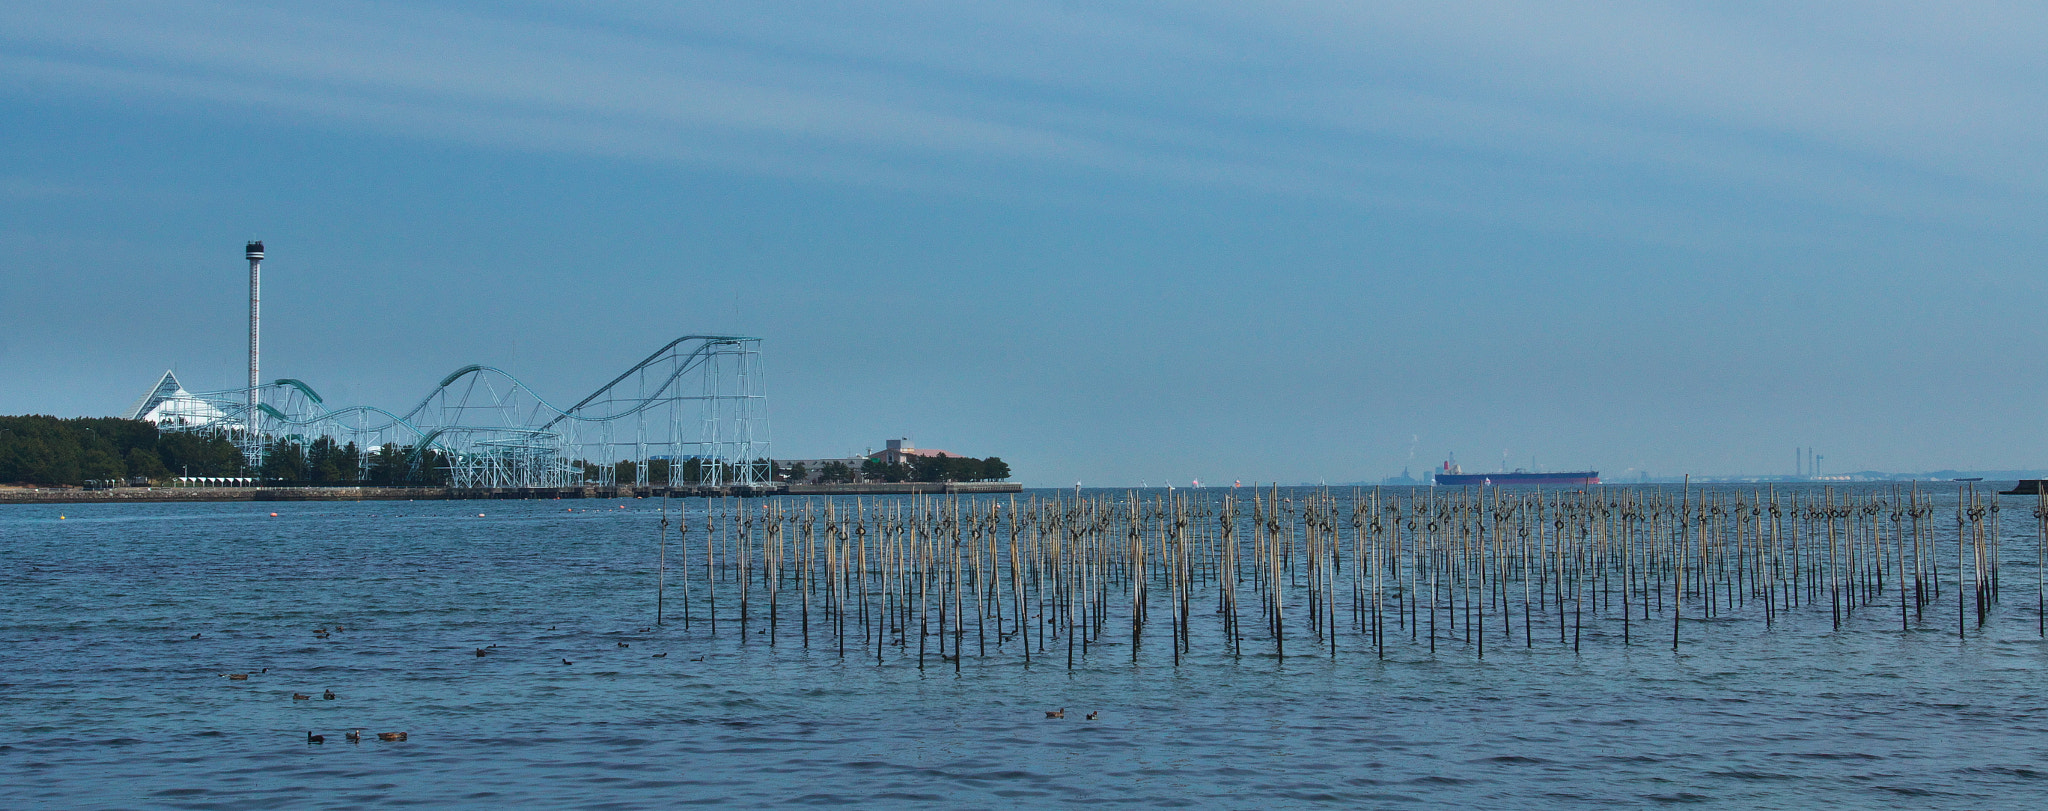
479 515
60 518
273 515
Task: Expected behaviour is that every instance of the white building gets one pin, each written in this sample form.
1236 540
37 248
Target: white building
168 403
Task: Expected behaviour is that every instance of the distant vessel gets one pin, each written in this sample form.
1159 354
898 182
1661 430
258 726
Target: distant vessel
1451 475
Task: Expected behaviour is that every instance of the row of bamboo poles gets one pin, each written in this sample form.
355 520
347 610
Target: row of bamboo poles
1058 577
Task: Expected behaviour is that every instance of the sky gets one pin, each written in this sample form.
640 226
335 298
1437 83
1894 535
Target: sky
1113 243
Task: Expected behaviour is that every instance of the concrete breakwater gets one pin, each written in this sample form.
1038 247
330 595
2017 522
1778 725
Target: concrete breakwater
54 495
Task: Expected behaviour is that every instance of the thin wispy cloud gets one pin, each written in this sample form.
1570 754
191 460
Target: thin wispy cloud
1389 105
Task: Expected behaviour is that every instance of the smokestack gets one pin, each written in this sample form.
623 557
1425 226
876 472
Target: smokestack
255 253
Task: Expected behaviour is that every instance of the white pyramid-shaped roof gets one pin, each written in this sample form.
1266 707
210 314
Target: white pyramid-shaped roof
165 388
169 402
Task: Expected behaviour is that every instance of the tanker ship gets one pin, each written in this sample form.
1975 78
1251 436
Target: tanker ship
1451 475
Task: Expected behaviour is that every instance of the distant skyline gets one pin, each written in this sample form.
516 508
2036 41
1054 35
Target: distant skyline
1110 243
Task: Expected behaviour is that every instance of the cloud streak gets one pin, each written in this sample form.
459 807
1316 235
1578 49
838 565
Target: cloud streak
1543 113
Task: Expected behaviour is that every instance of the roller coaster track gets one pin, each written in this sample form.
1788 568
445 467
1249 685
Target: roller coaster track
495 430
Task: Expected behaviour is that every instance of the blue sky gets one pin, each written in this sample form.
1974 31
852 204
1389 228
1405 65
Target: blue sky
1112 242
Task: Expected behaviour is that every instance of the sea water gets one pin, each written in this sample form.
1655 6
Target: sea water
108 701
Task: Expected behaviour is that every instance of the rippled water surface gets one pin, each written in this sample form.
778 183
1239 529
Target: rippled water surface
109 701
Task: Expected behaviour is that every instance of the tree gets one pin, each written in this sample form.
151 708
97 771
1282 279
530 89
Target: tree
324 462
387 465
285 461
994 469
145 463
930 468
797 473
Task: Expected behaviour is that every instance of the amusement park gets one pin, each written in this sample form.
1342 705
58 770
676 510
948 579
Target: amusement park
690 416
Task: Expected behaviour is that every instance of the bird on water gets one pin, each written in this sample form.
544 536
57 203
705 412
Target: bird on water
329 695
301 697
390 736
1059 713
480 653
1093 715
312 738
354 736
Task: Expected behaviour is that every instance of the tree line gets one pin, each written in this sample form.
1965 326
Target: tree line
940 468
325 462
45 450
48 451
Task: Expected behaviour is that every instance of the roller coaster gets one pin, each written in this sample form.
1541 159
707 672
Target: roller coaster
695 407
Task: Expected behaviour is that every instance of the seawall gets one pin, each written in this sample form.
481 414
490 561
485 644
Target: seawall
141 495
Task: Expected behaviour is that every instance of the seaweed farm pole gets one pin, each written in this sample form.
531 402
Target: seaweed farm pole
2041 559
771 560
1528 558
810 554
744 551
1478 626
1678 580
959 571
1899 557
683 547
711 524
661 560
1961 608
1833 574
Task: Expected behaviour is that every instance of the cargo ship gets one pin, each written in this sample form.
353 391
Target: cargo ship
1451 475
